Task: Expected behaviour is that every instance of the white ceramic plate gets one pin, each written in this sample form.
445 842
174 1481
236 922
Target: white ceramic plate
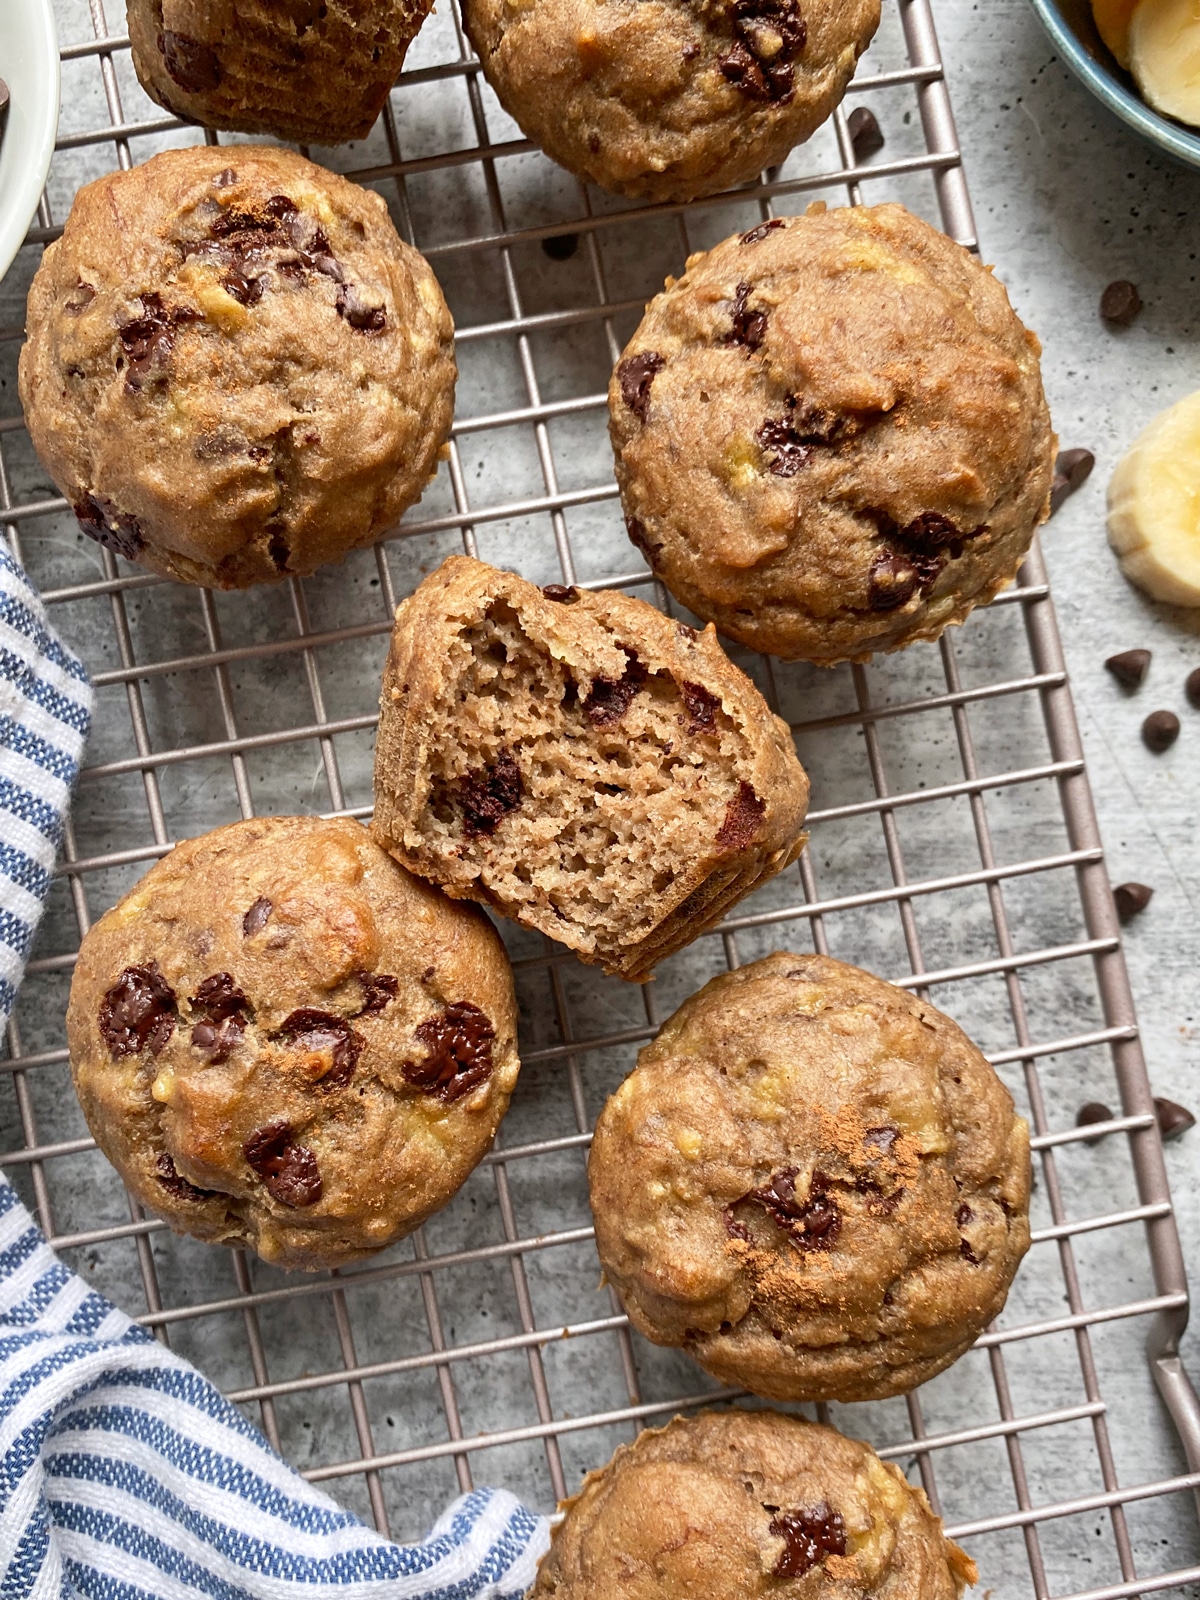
29 65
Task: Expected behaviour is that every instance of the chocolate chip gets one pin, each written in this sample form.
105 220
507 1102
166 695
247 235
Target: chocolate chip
756 235
147 340
964 1215
809 1534
138 1012
379 990
489 794
319 1031
1191 687
610 698
565 594
638 535
882 1138
701 706
778 439
246 291
749 327
966 1252
164 1171
561 246
1130 898
635 375
118 531
892 581
1120 303
220 1038
288 1169
219 996
361 317
736 1229
813 1224
458 1052
192 64
225 179
279 550
866 136
1089 1114
79 299
1072 469
931 531
1160 731
1174 1120
1129 667
772 30
594 143
257 917
742 820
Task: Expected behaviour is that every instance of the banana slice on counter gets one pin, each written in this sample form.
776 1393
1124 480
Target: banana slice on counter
1112 23
1154 506
1164 54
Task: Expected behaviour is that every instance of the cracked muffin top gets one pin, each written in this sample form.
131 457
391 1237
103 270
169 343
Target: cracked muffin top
813 1182
312 71
831 436
235 368
735 1505
280 1039
669 99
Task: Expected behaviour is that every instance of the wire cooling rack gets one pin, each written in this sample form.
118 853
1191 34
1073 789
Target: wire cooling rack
954 849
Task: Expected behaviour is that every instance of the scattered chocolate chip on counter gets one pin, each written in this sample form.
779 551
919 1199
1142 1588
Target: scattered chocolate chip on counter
1191 687
1160 731
1120 303
561 246
865 133
1174 1120
1129 667
1090 1113
1072 470
1130 898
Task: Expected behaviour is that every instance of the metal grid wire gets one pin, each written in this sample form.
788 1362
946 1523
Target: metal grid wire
954 849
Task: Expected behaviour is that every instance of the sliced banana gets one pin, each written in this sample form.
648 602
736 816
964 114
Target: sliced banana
1164 55
1154 506
1112 23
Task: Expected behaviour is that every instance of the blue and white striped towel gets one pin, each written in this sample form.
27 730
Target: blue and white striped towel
124 1474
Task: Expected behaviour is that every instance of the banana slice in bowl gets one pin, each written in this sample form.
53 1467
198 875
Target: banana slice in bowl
1164 56
1154 506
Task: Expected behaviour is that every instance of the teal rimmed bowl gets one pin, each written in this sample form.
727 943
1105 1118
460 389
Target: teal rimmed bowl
1070 25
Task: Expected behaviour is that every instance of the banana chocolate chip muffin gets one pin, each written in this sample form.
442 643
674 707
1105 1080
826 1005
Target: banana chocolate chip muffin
280 1039
235 369
669 99
831 436
813 1182
579 762
310 71
737 1505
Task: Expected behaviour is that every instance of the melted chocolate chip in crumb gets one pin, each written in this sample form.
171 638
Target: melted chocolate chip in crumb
635 375
353 309
743 818
749 327
256 918
809 1533
489 794
79 299
813 1224
224 1006
117 531
320 1031
458 1056
379 989
610 698
756 235
138 1012
892 581
565 594
164 1171
192 64
288 1169
147 340
778 439
701 705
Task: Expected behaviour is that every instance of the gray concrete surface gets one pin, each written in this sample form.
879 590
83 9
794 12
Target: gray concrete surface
1066 200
